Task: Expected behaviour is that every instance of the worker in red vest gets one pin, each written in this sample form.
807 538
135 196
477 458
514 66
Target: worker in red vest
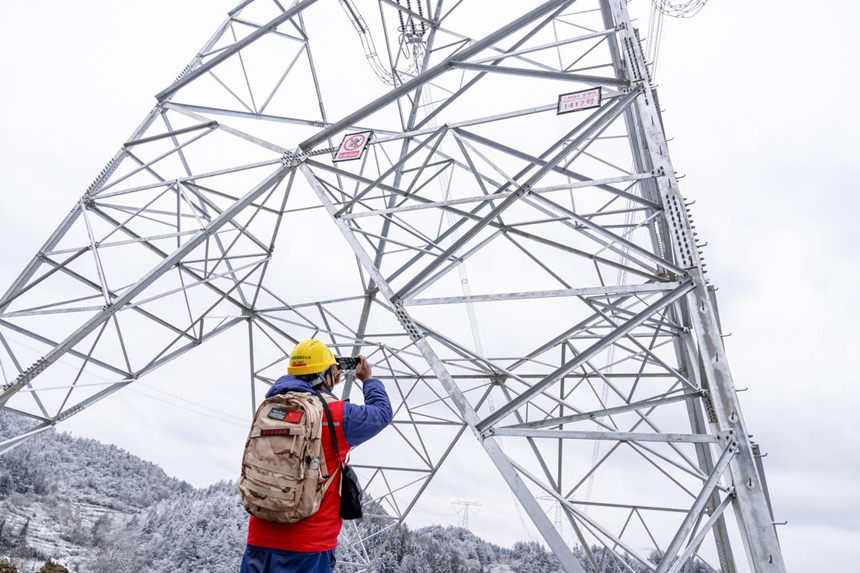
308 546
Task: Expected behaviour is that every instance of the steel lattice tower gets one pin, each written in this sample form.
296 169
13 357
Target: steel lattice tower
526 277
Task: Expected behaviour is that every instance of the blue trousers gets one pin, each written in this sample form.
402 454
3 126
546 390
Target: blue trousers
264 560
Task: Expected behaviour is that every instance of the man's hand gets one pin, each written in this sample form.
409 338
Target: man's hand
362 371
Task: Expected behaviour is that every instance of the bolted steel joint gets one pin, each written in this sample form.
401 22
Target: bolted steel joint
407 324
34 370
68 413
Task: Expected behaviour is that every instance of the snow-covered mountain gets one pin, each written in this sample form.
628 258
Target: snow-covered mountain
61 497
96 508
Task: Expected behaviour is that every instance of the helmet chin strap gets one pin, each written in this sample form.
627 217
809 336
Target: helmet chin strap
325 383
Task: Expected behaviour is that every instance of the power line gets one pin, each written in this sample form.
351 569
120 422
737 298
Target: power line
209 412
686 9
204 414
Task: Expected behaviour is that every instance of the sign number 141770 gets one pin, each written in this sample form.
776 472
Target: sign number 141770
577 101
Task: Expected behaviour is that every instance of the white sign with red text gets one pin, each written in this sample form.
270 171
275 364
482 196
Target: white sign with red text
352 146
578 101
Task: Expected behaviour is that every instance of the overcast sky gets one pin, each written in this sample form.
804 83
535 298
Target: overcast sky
760 98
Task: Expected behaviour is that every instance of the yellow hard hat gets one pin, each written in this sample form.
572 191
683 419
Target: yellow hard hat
310 357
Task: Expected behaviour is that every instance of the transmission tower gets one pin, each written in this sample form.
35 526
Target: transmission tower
466 508
525 145
557 521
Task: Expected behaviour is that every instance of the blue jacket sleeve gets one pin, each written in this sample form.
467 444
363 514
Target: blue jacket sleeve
360 423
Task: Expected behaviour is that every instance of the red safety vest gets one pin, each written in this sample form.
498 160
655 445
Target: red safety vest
318 532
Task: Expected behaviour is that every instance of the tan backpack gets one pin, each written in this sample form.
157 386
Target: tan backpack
284 473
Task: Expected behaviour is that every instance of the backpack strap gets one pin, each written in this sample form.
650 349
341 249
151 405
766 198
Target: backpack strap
323 466
330 424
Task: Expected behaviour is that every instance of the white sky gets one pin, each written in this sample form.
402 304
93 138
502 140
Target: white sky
760 101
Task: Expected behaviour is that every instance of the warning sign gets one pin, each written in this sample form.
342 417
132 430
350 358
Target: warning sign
577 101
352 146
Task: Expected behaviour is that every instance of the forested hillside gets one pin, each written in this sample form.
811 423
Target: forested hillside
97 509
60 496
56 464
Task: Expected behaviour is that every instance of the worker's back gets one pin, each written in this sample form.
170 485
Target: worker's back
309 545
319 531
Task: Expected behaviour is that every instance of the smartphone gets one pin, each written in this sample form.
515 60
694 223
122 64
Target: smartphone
348 362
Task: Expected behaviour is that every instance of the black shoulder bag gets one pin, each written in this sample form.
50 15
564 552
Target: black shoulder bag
350 489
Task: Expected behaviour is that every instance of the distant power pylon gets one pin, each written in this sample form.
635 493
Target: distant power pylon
557 521
467 508
382 152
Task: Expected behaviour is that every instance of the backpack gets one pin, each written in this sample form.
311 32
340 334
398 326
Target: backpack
284 473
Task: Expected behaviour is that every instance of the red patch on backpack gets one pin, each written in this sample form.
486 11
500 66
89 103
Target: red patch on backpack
276 432
294 417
